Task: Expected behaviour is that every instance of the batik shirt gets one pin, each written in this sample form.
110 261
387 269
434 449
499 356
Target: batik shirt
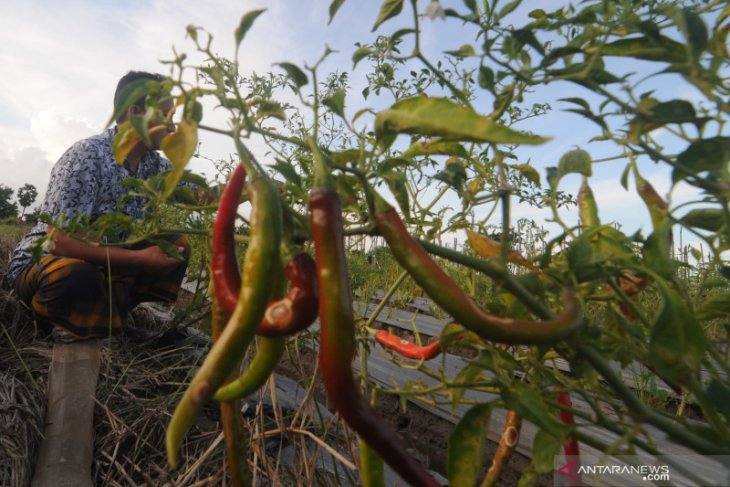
87 181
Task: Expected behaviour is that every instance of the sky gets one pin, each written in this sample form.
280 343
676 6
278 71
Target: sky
61 61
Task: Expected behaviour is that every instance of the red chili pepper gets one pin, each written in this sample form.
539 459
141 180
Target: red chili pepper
570 446
337 340
293 313
406 348
448 295
298 309
226 276
262 258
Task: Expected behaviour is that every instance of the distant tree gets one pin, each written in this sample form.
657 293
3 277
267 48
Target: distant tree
8 208
26 196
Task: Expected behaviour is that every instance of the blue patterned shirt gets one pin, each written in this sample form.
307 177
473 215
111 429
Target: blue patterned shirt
87 181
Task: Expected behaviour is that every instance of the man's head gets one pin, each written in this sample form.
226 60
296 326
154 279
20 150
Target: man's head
138 106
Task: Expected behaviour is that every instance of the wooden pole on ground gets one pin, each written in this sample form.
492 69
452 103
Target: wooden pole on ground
68 445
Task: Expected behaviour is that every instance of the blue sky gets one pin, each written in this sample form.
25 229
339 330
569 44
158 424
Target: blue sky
61 61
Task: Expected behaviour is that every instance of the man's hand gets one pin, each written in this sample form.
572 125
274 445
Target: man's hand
148 259
154 259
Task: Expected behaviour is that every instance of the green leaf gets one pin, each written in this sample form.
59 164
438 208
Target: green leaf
124 141
246 23
529 477
334 7
575 161
695 32
286 169
348 155
578 101
711 219
269 108
454 175
435 147
710 154
509 8
677 343
527 36
714 307
359 55
536 14
528 403
486 78
674 111
393 163
140 123
196 111
544 449
336 102
129 95
295 74
441 117
528 172
719 395
662 49
467 446
466 50
179 147
389 9
397 183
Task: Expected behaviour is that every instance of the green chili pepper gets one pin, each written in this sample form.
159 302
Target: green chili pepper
260 262
337 340
231 419
257 373
298 309
447 294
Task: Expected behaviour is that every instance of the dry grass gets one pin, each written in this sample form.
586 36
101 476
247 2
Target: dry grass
24 359
292 439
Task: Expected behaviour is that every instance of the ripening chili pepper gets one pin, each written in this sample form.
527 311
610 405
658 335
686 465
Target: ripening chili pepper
449 296
298 309
226 277
587 208
570 445
260 263
656 205
231 419
337 344
507 444
264 361
406 348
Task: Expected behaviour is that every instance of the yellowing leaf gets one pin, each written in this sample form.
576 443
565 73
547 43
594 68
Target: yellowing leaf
444 118
124 141
488 248
179 147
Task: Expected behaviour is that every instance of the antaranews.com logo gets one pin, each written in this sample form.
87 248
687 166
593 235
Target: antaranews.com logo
629 471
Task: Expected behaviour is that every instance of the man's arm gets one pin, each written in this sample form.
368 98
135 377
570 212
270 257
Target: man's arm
151 258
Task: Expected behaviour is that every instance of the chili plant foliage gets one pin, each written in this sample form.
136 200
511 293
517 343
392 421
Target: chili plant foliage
442 138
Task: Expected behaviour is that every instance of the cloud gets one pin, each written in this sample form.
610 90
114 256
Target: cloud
55 132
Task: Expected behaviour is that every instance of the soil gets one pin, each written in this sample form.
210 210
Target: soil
424 434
